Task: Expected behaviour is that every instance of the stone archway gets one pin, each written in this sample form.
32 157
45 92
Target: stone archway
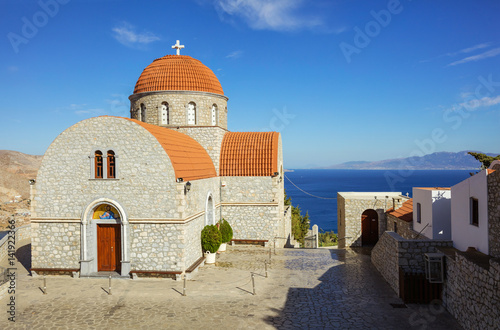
209 210
369 227
104 238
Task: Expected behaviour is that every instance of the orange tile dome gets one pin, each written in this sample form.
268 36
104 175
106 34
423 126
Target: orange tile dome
178 72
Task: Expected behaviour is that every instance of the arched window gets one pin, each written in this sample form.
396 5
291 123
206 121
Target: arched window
98 164
209 211
165 114
191 113
111 164
214 115
143 113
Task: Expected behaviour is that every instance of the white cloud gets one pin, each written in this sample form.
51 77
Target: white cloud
277 15
485 102
127 35
235 54
470 49
490 53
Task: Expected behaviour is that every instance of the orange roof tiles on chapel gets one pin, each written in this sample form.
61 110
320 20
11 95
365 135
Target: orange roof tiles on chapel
189 160
405 212
178 73
249 154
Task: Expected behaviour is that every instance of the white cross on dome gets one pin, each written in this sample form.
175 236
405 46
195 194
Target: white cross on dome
178 47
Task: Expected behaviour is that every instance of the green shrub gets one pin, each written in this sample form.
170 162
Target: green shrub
211 238
226 231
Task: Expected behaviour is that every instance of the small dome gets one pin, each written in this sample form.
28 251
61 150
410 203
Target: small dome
178 72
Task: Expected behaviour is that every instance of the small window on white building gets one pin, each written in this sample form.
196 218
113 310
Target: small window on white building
214 115
143 113
165 114
419 213
191 113
474 211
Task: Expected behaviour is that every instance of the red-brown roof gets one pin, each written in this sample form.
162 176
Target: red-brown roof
249 154
489 171
405 212
178 72
189 159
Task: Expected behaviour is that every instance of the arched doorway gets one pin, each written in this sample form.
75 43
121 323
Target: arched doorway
104 239
209 211
369 227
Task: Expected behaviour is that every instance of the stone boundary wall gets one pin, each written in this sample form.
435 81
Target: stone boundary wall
393 251
494 212
404 228
22 233
472 293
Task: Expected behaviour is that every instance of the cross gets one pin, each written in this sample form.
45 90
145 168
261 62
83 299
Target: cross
178 47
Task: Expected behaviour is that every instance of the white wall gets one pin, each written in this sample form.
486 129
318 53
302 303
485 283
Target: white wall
441 214
464 234
424 197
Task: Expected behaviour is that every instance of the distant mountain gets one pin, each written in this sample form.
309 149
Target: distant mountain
435 161
16 169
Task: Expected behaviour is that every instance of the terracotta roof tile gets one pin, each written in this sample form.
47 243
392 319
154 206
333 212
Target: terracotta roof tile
189 159
249 154
178 72
405 212
490 171
434 188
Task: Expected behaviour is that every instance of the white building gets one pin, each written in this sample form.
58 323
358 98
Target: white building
432 212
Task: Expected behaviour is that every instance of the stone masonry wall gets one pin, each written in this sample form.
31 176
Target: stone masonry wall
350 211
409 254
404 228
210 138
192 238
253 222
55 245
178 102
494 212
472 293
21 233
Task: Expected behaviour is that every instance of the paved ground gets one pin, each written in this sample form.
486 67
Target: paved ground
323 288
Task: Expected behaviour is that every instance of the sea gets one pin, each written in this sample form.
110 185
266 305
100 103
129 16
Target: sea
324 185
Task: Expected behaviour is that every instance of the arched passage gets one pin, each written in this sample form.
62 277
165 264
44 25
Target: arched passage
369 227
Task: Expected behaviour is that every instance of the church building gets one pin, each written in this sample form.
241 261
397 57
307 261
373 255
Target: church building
131 195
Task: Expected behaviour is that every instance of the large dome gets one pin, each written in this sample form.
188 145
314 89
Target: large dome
178 72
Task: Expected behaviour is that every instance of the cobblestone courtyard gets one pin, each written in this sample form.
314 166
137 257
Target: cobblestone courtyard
323 288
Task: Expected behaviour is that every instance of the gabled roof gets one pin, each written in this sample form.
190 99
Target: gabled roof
249 154
189 159
405 212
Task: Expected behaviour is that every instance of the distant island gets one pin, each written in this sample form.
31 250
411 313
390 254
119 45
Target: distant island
435 161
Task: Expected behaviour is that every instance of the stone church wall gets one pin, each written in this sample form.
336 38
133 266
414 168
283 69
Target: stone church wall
178 102
55 245
210 138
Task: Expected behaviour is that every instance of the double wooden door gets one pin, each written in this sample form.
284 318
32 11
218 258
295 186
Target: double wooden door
108 247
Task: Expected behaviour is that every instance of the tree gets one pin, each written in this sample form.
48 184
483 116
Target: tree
300 223
484 159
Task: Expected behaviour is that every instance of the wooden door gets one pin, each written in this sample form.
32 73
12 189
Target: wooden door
108 247
369 227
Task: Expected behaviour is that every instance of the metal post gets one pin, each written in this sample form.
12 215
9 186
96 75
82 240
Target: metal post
269 255
109 291
44 285
184 288
265 262
253 283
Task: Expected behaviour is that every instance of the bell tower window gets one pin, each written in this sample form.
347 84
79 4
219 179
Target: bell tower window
98 164
191 113
214 115
143 113
165 115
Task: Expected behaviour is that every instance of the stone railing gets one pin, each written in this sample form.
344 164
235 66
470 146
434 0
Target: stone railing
393 251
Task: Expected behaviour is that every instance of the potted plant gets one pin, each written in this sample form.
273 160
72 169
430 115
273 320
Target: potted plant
226 232
211 239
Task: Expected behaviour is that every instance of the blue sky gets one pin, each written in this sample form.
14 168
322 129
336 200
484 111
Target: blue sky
341 80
